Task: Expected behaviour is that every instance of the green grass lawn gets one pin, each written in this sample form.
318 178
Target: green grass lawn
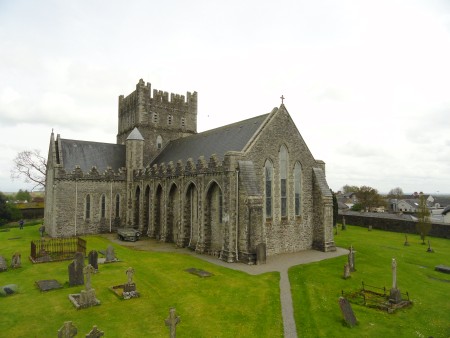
228 304
316 287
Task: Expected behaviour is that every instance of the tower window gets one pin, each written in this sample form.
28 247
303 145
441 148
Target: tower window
155 117
169 119
159 142
183 122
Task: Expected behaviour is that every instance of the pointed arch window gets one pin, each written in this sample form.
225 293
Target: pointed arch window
268 171
283 161
117 205
88 207
298 188
159 142
103 206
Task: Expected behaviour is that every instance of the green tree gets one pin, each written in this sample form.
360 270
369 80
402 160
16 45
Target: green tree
8 211
349 188
23 195
423 215
369 197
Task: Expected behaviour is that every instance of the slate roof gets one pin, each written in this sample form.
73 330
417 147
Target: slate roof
232 137
87 154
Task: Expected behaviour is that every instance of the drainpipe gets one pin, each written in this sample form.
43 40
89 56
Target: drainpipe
110 207
76 204
237 214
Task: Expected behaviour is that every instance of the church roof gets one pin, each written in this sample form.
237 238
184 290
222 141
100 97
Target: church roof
88 154
232 137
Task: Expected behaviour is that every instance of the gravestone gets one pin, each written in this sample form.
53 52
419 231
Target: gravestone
429 247
110 254
16 261
261 253
95 333
7 290
347 312
3 265
343 223
172 322
87 297
351 259
395 295
369 228
346 271
68 330
93 259
406 240
76 276
48 284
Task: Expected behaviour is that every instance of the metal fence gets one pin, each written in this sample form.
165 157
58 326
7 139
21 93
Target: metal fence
56 249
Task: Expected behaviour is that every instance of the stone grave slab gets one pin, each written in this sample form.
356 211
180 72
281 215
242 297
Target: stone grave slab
442 268
48 284
199 272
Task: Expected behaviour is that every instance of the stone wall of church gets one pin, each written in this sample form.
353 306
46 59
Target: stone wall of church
68 216
293 232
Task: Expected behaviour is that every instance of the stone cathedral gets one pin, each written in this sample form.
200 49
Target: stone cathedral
224 192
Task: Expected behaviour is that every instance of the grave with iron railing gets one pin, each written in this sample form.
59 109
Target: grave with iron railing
56 249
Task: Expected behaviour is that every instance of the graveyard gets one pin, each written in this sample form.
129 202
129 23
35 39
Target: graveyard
206 300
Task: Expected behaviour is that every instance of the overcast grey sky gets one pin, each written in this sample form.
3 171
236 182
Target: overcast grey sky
366 82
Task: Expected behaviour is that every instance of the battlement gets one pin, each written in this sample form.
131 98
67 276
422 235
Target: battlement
142 96
93 174
201 166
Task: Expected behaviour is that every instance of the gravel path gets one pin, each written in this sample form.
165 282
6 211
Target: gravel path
280 263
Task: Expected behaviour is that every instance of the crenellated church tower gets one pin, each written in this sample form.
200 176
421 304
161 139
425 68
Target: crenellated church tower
158 118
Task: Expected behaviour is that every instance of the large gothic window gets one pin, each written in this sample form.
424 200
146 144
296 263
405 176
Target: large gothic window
268 169
88 207
283 158
298 187
103 206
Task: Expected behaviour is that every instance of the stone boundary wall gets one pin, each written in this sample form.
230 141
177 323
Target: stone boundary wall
394 223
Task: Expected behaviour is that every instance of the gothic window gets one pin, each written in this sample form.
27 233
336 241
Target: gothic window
103 206
159 142
283 158
268 169
117 205
298 187
155 118
183 122
169 119
88 207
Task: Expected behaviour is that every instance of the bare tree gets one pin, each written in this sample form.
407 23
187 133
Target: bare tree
30 166
396 193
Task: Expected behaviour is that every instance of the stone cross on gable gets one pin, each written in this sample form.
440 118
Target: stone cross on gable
172 322
282 99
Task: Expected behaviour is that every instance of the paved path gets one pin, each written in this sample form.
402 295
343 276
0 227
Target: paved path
280 263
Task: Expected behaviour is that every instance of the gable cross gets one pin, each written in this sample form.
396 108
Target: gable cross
282 99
